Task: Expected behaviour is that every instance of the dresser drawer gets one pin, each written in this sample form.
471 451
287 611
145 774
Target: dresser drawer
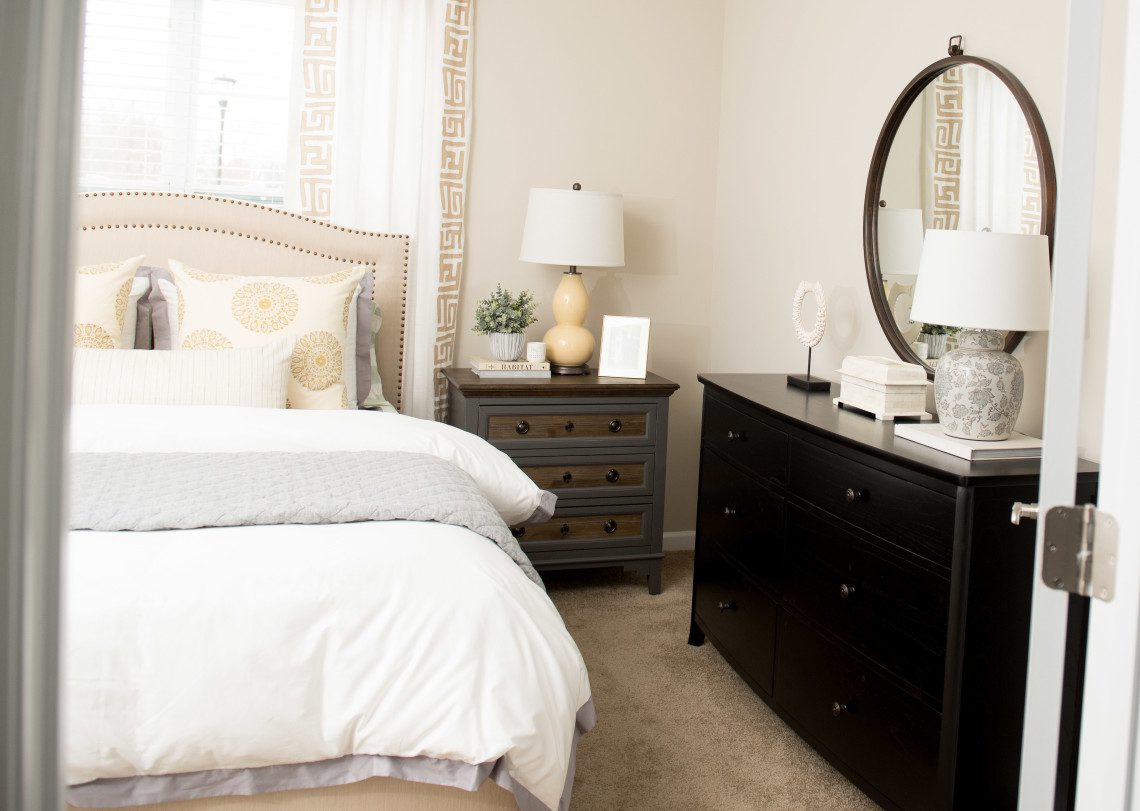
586 476
888 607
523 426
902 512
742 518
887 736
738 617
745 440
576 527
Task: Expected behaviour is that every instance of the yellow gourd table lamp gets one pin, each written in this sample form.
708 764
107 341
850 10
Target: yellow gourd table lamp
580 229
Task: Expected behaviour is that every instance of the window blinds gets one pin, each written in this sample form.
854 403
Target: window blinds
188 96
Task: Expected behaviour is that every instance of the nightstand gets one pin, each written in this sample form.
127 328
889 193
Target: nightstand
598 443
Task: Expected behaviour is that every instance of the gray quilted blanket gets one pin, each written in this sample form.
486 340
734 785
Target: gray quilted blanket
152 491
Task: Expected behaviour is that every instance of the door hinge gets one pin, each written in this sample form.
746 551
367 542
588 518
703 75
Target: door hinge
1080 549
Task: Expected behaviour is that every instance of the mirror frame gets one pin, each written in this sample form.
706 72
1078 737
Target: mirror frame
879 164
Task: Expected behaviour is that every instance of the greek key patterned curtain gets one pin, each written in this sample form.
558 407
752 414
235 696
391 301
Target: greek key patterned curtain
383 101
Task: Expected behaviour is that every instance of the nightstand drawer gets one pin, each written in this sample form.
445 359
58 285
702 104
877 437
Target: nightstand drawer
520 426
573 526
587 477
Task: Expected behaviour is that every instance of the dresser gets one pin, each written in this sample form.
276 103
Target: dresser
598 443
871 590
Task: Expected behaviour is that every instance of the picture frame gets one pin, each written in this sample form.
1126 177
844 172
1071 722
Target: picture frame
625 346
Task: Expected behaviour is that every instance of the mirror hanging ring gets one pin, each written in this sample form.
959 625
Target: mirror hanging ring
809 338
882 223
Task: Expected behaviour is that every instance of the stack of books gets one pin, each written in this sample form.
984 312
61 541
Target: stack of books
1018 446
489 367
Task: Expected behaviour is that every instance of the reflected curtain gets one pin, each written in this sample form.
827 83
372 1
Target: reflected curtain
384 105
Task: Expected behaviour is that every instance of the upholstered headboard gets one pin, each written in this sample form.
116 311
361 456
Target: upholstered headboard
233 236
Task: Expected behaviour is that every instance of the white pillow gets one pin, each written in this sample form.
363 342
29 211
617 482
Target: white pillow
255 376
102 295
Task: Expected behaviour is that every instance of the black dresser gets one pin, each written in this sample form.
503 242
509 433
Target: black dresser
873 591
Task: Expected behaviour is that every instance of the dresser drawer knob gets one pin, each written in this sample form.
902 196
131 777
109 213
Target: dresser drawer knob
726 605
613 475
846 592
518 532
564 529
569 426
610 526
838 709
729 512
523 427
567 477
615 426
852 495
735 436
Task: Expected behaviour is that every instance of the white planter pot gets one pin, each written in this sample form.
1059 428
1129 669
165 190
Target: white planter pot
506 345
937 344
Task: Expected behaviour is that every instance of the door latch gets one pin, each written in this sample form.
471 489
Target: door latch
1080 549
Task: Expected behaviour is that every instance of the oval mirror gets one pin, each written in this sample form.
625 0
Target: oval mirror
963 148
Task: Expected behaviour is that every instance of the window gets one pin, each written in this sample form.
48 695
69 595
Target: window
188 96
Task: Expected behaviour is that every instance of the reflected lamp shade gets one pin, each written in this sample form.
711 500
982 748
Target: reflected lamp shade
575 228
983 280
900 242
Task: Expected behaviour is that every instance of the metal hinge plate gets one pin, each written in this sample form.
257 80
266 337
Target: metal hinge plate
1080 551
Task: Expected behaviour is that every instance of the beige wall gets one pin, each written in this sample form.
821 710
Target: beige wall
621 96
799 120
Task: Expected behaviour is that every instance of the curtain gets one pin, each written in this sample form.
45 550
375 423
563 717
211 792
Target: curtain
384 105
979 160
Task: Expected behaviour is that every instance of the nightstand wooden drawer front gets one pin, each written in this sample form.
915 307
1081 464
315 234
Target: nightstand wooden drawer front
892 609
742 519
902 512
586 476
518 426
745 440
739 617
576 526
886 735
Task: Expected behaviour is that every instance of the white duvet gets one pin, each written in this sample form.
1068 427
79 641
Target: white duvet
238 647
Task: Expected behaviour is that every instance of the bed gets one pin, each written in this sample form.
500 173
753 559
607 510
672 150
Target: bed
316 609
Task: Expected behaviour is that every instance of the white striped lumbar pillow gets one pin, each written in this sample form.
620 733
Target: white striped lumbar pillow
250 376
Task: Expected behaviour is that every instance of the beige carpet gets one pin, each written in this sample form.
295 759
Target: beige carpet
677 728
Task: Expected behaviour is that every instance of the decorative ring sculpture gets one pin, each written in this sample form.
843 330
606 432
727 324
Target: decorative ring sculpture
809 339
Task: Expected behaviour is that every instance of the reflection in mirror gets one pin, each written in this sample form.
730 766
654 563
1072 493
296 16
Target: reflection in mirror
963 158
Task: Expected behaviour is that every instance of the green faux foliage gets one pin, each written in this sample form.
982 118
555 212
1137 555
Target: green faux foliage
502 312
938 329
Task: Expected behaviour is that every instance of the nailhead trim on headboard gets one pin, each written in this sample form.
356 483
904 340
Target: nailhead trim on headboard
279 243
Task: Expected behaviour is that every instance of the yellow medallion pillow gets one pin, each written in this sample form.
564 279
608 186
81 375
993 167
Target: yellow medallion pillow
102 298
219 311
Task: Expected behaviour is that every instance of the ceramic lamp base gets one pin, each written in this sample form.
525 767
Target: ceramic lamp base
978 387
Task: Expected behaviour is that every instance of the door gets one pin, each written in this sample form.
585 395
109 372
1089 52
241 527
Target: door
1106 766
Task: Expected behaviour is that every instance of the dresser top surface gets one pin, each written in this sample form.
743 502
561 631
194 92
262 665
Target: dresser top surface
587 385
815 412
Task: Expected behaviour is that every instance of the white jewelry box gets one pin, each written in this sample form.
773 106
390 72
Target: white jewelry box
884 387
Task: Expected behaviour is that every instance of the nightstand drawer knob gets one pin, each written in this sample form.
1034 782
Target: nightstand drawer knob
569 426
852 495
726 605
846 592
729 512
564 529
838 709
518 532
610 526
523 427
735 436
567 477
615 426
613 475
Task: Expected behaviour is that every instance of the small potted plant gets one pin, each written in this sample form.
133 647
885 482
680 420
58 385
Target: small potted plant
934 336
505 318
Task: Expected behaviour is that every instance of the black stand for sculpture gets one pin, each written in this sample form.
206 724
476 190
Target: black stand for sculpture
807 382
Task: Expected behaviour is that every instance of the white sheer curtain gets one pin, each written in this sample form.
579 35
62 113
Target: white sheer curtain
388 163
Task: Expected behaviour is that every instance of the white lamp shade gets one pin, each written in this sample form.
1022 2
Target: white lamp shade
983 280
900 241
580 228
